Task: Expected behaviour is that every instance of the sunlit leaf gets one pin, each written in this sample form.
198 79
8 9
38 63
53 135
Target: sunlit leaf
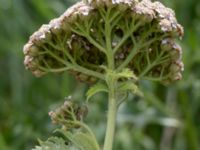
126 73
53 143
130 86
85 141
81 140
99 87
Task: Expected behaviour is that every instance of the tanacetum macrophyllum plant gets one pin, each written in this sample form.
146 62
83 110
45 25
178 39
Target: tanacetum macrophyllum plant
111 45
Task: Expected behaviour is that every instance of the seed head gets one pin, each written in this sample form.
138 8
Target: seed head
142 30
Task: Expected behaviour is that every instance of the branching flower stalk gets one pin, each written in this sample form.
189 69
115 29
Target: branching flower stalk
110 44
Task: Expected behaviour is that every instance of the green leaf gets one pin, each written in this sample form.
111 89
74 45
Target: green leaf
77 141
80 140
53 143
130 86
85 141
99 87
126 73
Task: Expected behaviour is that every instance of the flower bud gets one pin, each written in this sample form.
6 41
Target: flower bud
175 68
82 77
54 117
31 49
177 76
26 48
166 44
27 61
38 73
176 52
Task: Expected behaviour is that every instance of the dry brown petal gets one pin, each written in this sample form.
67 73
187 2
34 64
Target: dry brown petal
165 25
27 59
30 49
56 26
169 44
109 3
79 8
38 73
144 10
168 21
128 2
180 31
27 47
163 12
177 76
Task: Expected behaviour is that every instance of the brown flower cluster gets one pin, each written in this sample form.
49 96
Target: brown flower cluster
142 36
68 114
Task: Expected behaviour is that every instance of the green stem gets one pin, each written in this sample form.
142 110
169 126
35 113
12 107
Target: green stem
126 36
136 47
150 66
190 127
128 59
56 70
110 56
88 71
76 67
112 111
83 33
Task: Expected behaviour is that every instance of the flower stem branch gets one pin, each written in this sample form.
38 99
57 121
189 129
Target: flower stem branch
76 67
82 32
127 35
110 56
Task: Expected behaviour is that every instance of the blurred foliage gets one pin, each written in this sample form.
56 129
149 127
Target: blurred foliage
166 119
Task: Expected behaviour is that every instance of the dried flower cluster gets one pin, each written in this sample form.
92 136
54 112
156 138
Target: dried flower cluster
142 36
68 114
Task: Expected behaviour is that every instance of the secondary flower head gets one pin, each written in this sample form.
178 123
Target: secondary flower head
141 34
68 114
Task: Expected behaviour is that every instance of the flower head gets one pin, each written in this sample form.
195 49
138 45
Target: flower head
141 35
68 114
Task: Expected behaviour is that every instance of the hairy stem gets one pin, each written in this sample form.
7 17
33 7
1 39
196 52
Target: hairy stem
112 111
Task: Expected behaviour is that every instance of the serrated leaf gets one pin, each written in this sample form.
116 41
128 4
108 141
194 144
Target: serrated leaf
70 137
53 143
85 141
81 140
130 86
99 87
126 73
